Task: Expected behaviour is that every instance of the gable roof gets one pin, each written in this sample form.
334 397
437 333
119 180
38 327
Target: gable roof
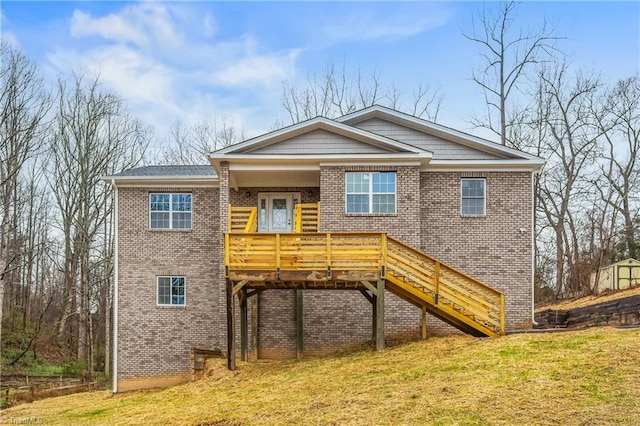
317 123
261 157
302 144
447 133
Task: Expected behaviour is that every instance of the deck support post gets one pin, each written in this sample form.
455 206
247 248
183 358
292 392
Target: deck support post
380 316
424 322
244 324
374 319
299 325
254 326
231 345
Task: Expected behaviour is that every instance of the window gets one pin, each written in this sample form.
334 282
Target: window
371 192
170 211
473 197
171 291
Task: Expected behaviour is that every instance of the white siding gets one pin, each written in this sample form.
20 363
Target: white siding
442 149
320 142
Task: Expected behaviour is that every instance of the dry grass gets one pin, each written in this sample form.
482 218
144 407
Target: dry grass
572 378
589 300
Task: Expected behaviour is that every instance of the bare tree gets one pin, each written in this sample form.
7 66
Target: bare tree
24 104
336 92
193 144
94 136
507 54
618 119
569 145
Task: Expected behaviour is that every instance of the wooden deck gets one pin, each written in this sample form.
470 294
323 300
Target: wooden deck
369 262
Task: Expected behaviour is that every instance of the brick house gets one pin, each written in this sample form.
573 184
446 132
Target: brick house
324 235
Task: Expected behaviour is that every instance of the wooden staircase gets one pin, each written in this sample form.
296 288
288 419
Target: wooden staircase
352 260
446 293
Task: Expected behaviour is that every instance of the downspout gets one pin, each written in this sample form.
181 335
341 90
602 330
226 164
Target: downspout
533 250
115 291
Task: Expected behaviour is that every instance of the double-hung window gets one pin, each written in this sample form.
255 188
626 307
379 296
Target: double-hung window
170 211
474 197
171 291
371 192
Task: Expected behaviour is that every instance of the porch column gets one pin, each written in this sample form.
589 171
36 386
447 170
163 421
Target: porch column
380 316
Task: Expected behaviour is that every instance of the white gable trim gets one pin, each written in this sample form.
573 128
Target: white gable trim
511 165
314 124
377 111
308 162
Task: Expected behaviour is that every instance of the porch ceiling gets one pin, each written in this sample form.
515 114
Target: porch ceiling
274 178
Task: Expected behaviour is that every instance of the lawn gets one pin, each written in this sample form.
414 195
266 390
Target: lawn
588 377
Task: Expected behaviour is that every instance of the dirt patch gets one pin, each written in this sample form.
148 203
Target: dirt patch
137 383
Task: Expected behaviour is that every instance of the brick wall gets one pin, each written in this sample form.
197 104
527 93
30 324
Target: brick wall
332 320
402 320
156 340
223 205
403 225
496 248
248 197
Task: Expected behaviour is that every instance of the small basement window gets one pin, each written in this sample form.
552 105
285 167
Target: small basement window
171 291
474 200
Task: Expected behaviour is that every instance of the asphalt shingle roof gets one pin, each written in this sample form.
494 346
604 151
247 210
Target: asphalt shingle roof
159 171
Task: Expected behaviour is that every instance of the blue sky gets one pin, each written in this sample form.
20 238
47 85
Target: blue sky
200 60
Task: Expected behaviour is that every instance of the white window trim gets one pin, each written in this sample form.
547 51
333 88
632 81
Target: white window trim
484 199
170 211
371 193
170 305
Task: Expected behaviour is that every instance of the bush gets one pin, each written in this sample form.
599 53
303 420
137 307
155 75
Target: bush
74 368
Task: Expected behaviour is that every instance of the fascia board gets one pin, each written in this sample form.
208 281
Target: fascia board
166 181
484 165
282 161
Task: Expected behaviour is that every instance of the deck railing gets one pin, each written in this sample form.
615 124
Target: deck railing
307 218
361 256
320 252
445 284
245 219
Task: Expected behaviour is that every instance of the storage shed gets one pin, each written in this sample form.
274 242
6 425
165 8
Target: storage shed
618 276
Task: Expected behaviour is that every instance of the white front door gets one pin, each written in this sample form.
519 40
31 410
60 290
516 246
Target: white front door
276 210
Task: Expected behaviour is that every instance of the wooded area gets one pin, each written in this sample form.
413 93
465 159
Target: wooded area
56 246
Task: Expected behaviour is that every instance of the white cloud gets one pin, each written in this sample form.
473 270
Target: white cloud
364 25
141 24
9 38
167 65
258 69
111 27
